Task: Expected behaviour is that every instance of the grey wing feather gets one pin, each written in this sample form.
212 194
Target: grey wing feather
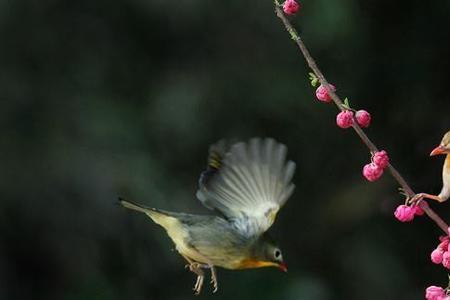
251 185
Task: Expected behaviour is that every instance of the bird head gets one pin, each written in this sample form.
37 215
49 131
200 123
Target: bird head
266 253
444 146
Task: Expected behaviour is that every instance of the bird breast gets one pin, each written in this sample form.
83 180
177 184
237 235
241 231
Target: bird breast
446 170
445 193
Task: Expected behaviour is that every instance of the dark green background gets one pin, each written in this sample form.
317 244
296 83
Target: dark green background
107 98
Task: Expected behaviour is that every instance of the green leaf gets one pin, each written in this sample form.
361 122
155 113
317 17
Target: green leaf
346 102
313 78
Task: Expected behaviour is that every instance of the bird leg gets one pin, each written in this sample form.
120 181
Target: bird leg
196 268
214 278
419 197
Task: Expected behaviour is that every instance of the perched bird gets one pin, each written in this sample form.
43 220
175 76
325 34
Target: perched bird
443 148
246 184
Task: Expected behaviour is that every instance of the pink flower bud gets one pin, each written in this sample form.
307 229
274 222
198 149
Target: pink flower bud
446 259
418 211
345 119
372 172
444 238
322 93
381 159
363 118
444 245
434 292
404 213
291 7
437 256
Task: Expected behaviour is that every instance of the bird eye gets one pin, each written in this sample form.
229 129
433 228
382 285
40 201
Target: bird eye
277 253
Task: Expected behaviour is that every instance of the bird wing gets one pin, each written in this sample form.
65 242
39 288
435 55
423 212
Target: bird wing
248 184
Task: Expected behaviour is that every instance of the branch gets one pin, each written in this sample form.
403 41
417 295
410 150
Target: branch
364 138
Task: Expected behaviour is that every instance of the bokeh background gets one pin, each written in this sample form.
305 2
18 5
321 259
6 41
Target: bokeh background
107 98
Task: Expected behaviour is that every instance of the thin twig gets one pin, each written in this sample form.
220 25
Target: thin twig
364 138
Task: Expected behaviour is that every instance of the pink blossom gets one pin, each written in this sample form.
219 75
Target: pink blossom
345 119
291 7
363 118
381 159
372 172
446 259
437 256
444 244
434 293
444 238
418 211
404 213
322 93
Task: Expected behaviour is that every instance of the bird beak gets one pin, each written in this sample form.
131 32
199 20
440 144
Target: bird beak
438 150
283 267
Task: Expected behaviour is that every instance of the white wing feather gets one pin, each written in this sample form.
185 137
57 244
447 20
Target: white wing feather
252 184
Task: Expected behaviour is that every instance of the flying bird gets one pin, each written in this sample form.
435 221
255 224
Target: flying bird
246 184
442 148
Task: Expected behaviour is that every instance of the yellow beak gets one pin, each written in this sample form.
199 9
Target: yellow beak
250 263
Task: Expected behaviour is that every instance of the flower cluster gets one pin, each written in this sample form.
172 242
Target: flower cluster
345 118
405 213
436 293
441 255
373 170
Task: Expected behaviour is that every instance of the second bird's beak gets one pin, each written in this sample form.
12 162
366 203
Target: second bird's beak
283 267
438 150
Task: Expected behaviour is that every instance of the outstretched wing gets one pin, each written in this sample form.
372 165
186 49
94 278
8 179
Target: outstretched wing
248 184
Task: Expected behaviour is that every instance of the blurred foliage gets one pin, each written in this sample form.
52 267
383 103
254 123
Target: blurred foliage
107 98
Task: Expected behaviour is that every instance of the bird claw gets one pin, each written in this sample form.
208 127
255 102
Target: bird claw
215 287
197 269
415 200
214 279
198 285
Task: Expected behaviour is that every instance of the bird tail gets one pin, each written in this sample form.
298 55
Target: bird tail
160 217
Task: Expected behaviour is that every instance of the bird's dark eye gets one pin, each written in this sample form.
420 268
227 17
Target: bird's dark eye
277 253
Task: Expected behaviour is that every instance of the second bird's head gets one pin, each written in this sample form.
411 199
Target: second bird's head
265 253
444 146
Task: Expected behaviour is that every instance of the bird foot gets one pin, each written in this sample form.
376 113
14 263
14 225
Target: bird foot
196 268
419 197
415 200
198 285
214 279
